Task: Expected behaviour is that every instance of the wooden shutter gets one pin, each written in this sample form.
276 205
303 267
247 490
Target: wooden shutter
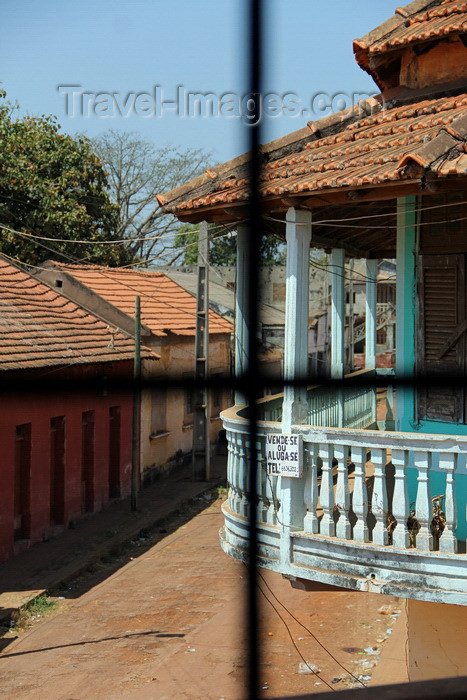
442 310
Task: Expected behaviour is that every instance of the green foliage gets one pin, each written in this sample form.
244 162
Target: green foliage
53 186
223 247
37 608
186 239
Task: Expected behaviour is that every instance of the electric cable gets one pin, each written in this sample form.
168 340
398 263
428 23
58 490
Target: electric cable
316 673
310 632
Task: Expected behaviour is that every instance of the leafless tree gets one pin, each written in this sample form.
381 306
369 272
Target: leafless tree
137 171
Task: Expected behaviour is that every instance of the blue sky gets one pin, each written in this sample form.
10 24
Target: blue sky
132 58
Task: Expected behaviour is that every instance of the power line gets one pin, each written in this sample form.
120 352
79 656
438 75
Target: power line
316 673
309 631
378 216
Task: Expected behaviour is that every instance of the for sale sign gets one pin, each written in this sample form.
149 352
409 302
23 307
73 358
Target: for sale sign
284 454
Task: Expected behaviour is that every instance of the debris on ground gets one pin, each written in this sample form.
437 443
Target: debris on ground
304 667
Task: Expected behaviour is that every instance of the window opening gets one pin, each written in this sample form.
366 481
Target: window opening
22 495
57 470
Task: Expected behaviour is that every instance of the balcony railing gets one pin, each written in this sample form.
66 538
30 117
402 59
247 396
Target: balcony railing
353 407
363 515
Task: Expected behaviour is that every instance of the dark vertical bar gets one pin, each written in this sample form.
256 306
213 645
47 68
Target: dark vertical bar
114 452
87 462
253 380
135 463
201 462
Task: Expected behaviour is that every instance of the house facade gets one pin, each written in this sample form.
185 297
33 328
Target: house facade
66 410
353 497
168 318
272 302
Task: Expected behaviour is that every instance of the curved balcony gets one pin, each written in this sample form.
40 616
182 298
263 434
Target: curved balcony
375 510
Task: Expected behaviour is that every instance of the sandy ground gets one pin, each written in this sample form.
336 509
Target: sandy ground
169 625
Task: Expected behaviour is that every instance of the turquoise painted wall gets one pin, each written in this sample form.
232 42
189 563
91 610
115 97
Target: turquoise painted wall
406 314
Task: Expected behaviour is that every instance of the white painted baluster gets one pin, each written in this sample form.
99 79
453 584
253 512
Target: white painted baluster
448 540
328 526
400 501
270 490
360 496
423 509
311 524
242 471
380 497
342 492
232 470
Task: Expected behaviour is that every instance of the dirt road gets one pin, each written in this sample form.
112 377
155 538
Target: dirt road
169 626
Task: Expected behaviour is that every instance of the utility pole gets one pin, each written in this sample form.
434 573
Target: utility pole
135 462
201 467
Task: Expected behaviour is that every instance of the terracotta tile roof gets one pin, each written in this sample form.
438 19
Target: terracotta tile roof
343 152
165 306
417 22
40 328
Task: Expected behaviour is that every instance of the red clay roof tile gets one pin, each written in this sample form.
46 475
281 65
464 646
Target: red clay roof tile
372 150
40 328
447 18
418 22
165 306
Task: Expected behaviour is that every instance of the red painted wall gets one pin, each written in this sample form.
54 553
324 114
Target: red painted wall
38 410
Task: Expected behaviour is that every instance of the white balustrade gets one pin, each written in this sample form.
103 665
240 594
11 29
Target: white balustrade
423 508
342 492
311 523
328 526
338 477
380 497
448 541
360 504
400 507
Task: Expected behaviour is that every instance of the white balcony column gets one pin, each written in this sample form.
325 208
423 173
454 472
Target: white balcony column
337 312
298 236
294 410
241 306
338 326
370 314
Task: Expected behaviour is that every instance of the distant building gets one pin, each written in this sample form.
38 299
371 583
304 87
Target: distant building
66 410
271 310
168 314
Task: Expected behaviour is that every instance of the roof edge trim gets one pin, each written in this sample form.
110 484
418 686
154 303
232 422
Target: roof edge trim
392 23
